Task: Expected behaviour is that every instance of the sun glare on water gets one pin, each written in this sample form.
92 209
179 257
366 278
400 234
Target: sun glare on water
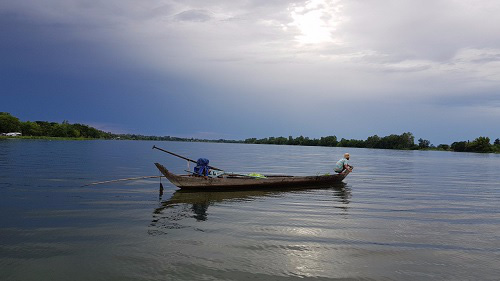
316 21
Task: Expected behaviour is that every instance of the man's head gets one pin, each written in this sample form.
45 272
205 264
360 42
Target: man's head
346 156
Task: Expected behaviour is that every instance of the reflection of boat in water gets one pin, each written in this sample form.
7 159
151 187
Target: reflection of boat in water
185 203
232 181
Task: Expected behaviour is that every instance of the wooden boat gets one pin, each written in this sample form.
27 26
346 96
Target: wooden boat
231 181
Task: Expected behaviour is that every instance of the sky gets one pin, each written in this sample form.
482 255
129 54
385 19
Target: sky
240 69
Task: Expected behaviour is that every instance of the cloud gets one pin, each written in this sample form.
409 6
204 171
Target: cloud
433 30
284 58
194 16
487 99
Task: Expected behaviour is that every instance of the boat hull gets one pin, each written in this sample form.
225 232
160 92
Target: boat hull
196 182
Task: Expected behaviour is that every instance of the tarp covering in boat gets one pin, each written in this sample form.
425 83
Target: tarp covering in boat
201 168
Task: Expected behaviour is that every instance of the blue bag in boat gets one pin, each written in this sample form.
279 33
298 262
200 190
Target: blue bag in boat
201 168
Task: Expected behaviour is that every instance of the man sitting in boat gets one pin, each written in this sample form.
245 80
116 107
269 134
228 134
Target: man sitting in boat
343 164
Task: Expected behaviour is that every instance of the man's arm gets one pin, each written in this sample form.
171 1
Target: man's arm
348 167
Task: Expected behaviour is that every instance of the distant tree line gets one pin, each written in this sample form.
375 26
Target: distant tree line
403 141
168 138
9 123
480 144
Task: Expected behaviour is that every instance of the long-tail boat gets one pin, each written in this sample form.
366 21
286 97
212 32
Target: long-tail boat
222 180
237 181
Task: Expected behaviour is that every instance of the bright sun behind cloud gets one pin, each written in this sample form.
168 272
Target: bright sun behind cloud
315 20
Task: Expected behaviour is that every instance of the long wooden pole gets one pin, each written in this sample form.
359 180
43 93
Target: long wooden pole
182 157
127 179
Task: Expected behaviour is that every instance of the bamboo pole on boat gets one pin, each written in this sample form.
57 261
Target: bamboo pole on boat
182 157
127 179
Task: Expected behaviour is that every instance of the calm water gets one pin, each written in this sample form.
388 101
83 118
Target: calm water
401 215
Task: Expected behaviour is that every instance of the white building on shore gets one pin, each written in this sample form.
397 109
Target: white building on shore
13 134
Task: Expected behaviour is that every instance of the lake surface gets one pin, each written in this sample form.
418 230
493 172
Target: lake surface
401 215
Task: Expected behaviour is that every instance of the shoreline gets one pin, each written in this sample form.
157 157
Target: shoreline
43 138
215 141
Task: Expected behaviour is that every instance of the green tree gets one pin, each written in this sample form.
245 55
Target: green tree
422 144
403 141
74 133
281 140
310 142
407 141
31 129
299 140
459 146
444 146
373 142
250 140
351 143
480 144
328 141
57 130
45 127
9 123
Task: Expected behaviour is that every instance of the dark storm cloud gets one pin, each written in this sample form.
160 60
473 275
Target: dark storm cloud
296 63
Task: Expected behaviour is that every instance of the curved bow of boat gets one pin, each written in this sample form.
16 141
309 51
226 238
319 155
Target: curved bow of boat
173 178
